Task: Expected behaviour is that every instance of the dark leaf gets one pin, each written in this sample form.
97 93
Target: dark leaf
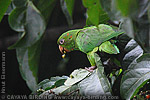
67 8
94 85
28 59
10 8
19 4
52 83
34 27
27 18
136 23
40 85
149 12
140 25
132 51
122 41
137 73
110 8
45 7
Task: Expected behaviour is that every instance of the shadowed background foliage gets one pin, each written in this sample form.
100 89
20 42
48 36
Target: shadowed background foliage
30 29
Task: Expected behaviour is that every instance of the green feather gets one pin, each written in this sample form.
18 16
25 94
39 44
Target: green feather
109 48
88 38
91 37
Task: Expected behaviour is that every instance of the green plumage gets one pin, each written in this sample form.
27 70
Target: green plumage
89 38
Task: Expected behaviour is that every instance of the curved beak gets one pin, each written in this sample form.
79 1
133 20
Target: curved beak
63 50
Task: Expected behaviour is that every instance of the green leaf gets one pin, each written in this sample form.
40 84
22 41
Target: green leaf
58 82
70 6
52 83
42 83
17 19
93 85
28 59
4 4
93 17
76 76
45 7
127 7
97 83
88 3
137 73
104 80
95 12
146 56
34 26
114 76
67 8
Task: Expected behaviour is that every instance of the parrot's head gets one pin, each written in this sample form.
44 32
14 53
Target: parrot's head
67 41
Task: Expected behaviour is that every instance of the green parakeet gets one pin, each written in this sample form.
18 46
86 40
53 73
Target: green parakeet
89 40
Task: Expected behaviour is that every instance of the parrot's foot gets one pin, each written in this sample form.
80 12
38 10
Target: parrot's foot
90 69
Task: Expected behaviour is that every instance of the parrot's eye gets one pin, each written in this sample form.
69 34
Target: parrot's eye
62 41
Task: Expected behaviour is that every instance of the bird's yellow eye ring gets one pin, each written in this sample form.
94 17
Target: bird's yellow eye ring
62 41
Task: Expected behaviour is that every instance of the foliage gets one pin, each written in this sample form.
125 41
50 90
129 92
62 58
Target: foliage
133 15
81 82
30 18
94 8
135 76
3 7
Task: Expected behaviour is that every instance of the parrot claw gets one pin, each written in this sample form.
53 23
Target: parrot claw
90 69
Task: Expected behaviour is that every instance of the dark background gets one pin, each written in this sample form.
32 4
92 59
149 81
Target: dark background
51 64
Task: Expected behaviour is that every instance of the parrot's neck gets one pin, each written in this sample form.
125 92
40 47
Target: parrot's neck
74 40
